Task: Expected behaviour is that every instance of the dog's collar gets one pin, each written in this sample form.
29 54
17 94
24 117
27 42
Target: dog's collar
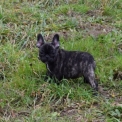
48 68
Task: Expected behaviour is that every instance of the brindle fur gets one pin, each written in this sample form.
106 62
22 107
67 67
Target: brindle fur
66 64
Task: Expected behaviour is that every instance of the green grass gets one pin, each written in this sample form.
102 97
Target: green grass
91 26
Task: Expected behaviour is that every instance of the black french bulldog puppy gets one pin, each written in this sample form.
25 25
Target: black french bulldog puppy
66 64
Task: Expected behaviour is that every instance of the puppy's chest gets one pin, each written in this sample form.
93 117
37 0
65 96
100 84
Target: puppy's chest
53 68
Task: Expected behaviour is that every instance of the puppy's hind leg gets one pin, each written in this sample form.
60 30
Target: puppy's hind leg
90 78
86 80
93 82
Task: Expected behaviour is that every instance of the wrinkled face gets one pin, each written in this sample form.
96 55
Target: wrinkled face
47 53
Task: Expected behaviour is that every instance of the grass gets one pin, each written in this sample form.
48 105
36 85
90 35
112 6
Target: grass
92 26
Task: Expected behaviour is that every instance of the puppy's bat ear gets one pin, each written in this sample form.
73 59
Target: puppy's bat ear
40 41
55 41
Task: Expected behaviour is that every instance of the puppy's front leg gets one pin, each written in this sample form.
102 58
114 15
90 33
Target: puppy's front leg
48 76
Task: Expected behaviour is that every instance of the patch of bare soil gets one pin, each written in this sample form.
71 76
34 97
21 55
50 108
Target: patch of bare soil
109 93
92 28
89 29
95 29
95 13
73 115
104 92
117 75
78 112
8 112
73 112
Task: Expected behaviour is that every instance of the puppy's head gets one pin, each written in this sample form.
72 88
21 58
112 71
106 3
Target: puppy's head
47 51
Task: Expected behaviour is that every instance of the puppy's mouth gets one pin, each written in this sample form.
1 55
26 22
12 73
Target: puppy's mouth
46 60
